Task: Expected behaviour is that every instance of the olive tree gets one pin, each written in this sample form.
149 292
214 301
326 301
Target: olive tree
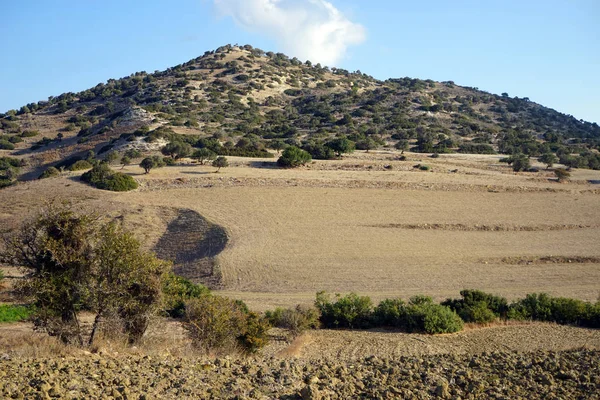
204 154
76 262
220 162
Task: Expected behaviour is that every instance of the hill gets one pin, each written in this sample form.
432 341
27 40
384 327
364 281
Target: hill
242 101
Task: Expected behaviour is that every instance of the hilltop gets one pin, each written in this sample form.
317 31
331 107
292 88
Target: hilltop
242 101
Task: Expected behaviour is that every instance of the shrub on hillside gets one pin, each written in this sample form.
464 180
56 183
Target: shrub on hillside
297 319
49 173
6 145
350 311
103 177
80 165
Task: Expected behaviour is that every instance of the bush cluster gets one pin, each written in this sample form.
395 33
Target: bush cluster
421 314
542 307
477 306
176 291
218 324
103 177
297 320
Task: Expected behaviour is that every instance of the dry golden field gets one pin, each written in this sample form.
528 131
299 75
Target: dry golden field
367 223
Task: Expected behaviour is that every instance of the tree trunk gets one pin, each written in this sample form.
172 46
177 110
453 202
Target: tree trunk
94 329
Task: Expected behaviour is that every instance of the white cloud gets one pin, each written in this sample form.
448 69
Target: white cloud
308 29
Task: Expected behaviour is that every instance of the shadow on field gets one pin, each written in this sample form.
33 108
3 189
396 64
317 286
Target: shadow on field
191 243
264 164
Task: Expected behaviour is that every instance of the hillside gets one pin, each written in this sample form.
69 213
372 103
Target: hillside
241 101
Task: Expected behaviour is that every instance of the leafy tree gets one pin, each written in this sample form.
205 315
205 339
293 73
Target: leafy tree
341 146
111 157
278 145
520 163
177 149
366 144
293 157
204 154
125 161
562 174
149 163
220 162
75 262
549 159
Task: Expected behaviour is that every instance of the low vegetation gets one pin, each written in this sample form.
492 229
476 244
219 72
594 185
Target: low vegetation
14 313
422 314
102 176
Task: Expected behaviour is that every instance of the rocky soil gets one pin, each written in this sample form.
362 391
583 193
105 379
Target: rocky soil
499 375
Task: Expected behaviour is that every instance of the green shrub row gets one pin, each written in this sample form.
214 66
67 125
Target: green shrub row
421 314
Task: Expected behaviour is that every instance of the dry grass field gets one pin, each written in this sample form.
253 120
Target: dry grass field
367 223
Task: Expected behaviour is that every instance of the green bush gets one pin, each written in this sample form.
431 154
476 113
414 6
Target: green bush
423 315
102 177
520 163
293 157
176 291
80 165
297 319
542 307
254 336
219 324
49 173
391 313
423 167
440 319
350 311
29 133
477 306
14 313
534 306
6 145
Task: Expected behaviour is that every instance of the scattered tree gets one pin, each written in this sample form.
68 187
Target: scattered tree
341 146
562 174
293 157
75 262
204 154
520 162
220 162
125 161
177 149
549 159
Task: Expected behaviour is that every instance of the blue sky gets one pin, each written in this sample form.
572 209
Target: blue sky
548 50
